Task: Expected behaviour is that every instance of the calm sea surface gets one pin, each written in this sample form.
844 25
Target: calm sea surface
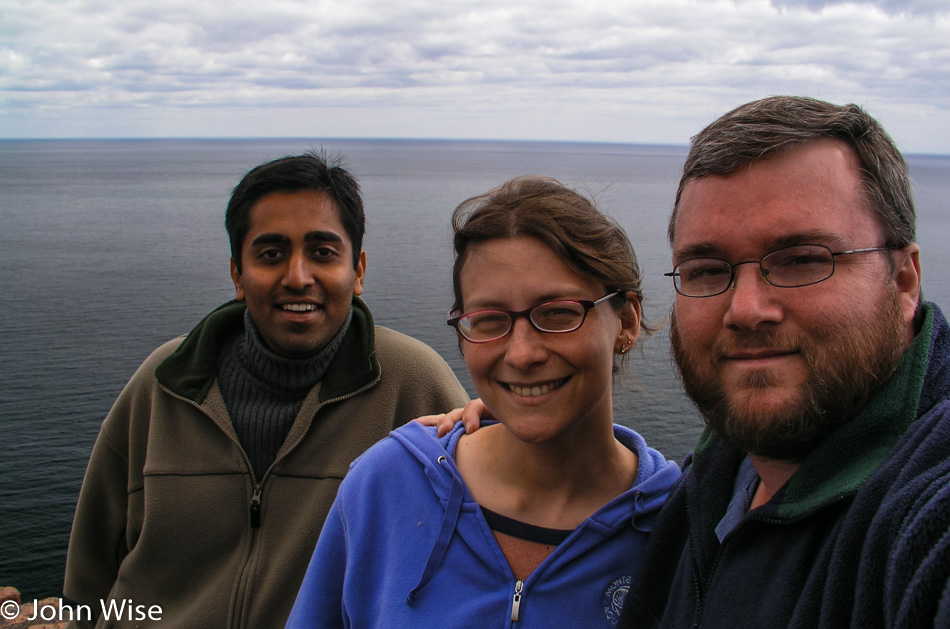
108 248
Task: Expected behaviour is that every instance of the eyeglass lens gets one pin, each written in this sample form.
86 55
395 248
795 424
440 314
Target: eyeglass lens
555 316
789 267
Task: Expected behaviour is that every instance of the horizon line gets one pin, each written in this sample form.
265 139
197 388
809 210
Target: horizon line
669 145
339 138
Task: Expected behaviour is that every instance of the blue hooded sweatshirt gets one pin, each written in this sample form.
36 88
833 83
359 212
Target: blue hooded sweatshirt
405 545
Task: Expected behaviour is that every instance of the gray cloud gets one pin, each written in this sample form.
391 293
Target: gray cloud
892 7
517 62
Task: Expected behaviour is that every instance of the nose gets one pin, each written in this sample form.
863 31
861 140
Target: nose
524 345
752 300
298 275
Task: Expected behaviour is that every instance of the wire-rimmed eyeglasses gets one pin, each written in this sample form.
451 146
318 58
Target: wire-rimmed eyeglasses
552 317
788 267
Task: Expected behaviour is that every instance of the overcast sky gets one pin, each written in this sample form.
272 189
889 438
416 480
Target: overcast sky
646 71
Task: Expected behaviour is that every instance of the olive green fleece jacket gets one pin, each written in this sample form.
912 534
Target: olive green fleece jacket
170 513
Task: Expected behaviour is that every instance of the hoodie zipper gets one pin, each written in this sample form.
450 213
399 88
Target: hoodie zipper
516 601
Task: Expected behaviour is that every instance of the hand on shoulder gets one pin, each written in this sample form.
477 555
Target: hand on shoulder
470 415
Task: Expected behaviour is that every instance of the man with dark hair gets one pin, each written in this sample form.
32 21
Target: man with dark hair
214 471
819 493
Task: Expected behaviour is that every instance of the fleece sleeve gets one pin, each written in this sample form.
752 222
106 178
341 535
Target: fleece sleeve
112 492
97 543
917 581
418 379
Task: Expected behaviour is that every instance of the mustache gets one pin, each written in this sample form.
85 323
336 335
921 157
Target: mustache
748 340
744 341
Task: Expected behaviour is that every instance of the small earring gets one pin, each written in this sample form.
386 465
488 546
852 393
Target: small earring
624 348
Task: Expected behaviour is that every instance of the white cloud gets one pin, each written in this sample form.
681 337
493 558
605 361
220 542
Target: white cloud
518 68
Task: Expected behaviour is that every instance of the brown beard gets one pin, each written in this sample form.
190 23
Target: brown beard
846 366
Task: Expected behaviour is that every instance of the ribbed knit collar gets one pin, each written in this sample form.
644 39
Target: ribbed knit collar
293 375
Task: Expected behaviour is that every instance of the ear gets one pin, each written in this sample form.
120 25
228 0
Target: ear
360 274
630 314
236 278
907 280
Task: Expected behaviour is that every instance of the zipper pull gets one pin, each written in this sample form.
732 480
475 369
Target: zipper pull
516 601
256 507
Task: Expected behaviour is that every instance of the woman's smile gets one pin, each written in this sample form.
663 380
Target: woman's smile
535 390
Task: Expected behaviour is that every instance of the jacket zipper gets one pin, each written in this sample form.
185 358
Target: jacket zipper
258 486
516 601
255 506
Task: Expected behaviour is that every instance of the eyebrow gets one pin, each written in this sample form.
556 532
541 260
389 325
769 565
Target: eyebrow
496 304
270 239
696 250
322 236
281 239
806 237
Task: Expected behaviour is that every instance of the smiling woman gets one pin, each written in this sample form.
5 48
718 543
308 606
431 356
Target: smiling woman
539 516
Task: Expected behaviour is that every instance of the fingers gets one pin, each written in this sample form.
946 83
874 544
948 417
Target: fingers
430 420
472 415
448 421
444 421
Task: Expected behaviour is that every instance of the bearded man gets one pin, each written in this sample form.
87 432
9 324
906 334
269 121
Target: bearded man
819 493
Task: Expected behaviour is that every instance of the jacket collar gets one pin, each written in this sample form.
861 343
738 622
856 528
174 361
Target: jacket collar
191 369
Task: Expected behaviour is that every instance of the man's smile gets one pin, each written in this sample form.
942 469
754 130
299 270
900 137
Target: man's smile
306 307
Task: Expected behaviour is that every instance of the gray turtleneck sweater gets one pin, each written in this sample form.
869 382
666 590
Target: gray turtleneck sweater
263 390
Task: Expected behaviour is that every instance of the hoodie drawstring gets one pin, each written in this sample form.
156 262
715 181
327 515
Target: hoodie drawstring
441 546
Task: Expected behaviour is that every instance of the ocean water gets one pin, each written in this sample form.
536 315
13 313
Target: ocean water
109 248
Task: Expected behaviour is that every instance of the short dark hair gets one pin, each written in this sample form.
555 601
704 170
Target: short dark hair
779 123
309 171
589 242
